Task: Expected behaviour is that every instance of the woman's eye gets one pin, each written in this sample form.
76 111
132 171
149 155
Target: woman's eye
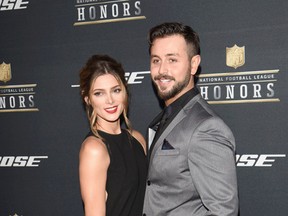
97 93
117 90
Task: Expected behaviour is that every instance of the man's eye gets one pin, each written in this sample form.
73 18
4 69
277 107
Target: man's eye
155 61
172 60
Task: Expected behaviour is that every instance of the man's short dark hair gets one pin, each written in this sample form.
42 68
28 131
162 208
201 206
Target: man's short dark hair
168 29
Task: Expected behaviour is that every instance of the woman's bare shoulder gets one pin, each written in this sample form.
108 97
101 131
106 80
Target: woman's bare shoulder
93 146
138 136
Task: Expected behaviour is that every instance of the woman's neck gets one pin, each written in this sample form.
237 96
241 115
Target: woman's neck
109 127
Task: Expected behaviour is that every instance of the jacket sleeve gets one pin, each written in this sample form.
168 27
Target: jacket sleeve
212 166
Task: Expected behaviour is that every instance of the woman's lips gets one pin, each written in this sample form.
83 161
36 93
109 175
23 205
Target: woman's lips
111 110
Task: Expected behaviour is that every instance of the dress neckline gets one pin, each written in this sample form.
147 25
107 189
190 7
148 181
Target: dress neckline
104 132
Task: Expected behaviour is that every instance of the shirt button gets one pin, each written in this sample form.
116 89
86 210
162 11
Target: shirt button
148 182
144 214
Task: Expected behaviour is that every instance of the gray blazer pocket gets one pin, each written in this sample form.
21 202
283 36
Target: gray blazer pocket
169 152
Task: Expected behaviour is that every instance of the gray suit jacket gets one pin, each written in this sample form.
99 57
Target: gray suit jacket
192 167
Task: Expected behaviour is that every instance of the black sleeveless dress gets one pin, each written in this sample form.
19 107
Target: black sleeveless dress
126 177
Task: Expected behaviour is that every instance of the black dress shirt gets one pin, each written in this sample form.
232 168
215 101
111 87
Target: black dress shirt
174 108
169 113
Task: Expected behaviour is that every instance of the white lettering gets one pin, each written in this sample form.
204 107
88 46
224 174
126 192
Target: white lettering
15 102
22 102
2 102
257 89
31 100
204 92
115 10
126 8
6 161
12 102
270 89
138 9
230 92
263 160
243 91
81 14
246 160
103 9
13 5
19 4
134 78
217 92
107 11
33 162
21 161
92 13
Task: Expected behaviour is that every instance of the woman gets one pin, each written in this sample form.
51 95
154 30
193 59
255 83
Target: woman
112 161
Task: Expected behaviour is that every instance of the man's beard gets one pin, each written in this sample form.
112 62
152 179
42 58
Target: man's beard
176 89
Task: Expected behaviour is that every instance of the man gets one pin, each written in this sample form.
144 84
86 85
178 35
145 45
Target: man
192 156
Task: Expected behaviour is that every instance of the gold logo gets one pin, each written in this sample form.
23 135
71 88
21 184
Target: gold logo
5 72
235 56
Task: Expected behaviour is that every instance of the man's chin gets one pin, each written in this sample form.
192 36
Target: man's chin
164 95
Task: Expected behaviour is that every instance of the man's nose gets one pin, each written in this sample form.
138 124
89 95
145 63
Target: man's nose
163 69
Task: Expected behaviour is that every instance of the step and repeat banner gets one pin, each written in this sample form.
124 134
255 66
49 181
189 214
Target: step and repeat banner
44 44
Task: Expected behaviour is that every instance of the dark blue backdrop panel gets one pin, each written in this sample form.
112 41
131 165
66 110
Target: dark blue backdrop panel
43 122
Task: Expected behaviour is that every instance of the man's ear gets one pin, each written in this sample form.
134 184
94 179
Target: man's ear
195 62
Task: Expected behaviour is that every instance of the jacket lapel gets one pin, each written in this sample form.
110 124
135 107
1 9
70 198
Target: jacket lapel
160 137
153 126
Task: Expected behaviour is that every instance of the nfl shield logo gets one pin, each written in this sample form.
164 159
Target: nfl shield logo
235 56
5 72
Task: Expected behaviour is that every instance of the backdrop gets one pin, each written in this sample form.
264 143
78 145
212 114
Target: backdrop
45 43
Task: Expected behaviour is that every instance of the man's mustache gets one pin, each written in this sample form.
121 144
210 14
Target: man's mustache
163 77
